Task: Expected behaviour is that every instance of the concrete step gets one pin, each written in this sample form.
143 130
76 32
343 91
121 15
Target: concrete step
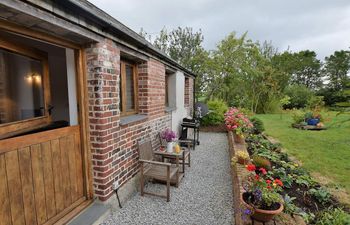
92 215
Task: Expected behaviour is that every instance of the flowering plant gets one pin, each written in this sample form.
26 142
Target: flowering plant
262 193
237 121
168 135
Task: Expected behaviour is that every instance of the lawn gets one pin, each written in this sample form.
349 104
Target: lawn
326 153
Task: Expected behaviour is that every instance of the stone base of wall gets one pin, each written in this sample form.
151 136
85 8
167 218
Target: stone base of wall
130 188
238 173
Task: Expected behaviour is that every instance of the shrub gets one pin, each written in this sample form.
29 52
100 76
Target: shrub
216 115
299 96
298 116
258 125
261 162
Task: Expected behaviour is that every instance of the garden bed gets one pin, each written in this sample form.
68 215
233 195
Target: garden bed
302 194
238 173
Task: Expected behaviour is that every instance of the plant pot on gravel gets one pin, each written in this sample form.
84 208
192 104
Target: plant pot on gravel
262 215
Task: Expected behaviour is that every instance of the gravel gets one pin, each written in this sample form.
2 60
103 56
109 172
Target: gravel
204 195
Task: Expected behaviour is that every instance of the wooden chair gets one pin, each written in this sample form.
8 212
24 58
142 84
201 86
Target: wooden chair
187 155
154 169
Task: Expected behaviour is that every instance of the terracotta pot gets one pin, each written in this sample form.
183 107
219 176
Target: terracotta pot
262 215
238 139
242 161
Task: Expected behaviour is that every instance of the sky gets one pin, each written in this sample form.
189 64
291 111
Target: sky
319 25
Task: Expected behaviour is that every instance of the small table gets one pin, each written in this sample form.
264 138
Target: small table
176 156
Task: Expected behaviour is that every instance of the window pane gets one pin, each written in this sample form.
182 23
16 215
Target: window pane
21 90
129 88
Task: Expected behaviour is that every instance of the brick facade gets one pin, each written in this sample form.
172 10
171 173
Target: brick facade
114 146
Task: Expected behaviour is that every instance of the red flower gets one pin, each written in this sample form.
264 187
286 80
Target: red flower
263 171
251 167
268 181
268 187
257 177
279 182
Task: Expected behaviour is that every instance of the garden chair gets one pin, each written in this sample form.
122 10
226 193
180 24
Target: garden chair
187 155
150 168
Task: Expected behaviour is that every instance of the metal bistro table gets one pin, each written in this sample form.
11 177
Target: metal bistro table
173 156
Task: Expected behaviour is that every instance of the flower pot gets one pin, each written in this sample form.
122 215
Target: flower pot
262 215
313 122
169 146
242 161
238 138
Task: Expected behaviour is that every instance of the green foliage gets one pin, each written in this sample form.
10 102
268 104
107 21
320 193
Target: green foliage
321 194
336 69
307 217
334 216
217 110
298 116
258 125
299 96
289 206
305 180
315 103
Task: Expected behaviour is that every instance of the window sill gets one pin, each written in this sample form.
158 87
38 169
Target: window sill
170 109
132 119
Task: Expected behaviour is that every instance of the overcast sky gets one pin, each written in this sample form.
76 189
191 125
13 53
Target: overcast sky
319 25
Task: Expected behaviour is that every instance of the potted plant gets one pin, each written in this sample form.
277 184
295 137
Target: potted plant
242 157
236 121
169 136
261 196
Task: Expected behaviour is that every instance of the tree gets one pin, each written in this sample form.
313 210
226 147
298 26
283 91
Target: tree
185 46
307 69
245 76
337 68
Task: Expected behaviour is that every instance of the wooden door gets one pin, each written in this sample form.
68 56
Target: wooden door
41 177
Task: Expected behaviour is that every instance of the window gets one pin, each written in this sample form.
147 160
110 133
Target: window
128 89
24 94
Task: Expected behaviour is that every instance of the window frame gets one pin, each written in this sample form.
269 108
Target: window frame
17 127
186 92
122 87
166 90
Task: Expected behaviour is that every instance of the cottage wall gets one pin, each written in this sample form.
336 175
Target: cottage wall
113 142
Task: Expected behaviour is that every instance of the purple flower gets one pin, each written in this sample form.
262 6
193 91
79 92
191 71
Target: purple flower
168 135
247 212
257 193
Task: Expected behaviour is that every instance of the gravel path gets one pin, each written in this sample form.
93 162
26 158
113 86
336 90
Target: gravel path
204 196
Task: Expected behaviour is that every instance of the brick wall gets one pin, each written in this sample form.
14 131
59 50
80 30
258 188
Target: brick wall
152 88
114 147
103 69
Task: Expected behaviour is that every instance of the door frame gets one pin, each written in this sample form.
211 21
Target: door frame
82 98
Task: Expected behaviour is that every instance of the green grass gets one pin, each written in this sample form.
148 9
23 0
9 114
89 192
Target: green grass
325 152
